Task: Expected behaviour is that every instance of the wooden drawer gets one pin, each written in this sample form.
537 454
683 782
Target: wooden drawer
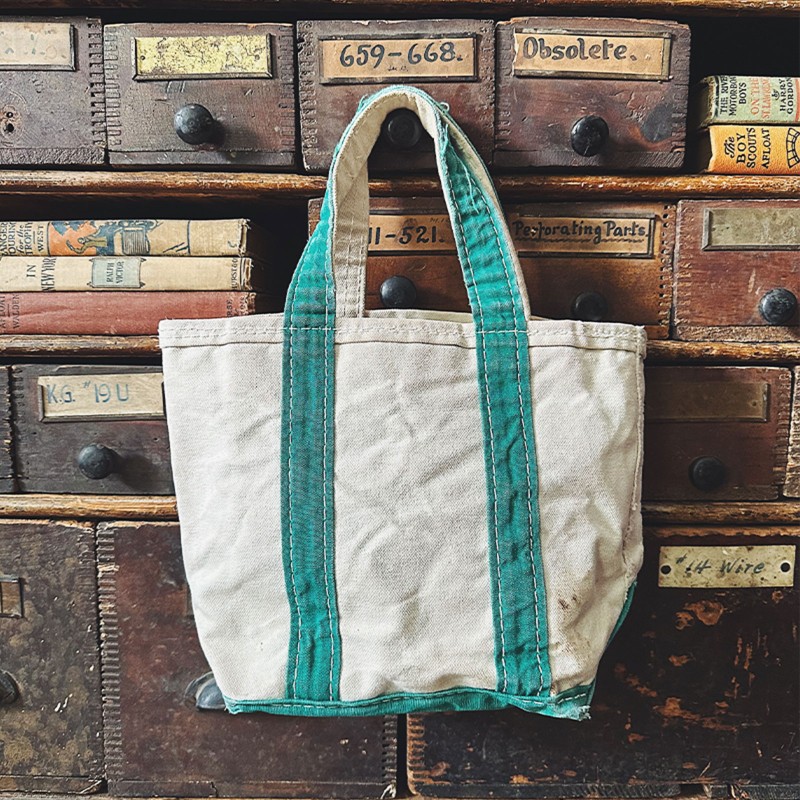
200 93
49 658
698 687
792 486
715 433
342 61
51 91
165 732
591 93
591 261
738 270
90 429
6 463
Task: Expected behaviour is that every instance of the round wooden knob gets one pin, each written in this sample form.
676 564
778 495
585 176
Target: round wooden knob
9 691
590 307
398 292
204 694
402 129
707 473
96 461
778 306
589 135
195 124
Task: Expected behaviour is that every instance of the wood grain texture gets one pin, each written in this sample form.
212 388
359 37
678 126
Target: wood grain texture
52 738
792 486
158 742
7 483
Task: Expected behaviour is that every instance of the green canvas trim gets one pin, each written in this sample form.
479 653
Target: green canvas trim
571 704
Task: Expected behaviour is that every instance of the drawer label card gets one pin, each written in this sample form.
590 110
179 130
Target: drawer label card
726 567
623 237
386 59
748 228
136 395
37 45
706 401
159 58
404 233
573 54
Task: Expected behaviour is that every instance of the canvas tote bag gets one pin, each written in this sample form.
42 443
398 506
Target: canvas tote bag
387 512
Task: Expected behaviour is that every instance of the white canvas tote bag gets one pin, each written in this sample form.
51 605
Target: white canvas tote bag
387 512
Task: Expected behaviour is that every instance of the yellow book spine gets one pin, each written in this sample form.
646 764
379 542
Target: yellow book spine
752 150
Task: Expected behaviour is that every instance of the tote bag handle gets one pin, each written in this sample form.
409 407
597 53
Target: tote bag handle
330 278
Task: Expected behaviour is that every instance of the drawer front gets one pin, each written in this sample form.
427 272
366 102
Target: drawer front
166 734
698 687
49 658
342 61
51 91
738 270
90 429
205 93
792 486
593 261
715 433
591 93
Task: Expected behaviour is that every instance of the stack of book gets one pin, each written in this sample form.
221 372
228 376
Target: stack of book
748 125
123 276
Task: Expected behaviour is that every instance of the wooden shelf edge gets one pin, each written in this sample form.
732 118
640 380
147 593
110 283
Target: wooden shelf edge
252 186
163 507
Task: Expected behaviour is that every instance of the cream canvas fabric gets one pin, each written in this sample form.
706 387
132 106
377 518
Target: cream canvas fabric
472 532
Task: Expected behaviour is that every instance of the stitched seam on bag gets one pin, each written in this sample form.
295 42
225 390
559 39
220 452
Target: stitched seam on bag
485 390
638 468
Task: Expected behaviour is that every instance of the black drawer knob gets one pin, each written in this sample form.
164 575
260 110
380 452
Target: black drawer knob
778 306
402 129
590 307
398 292
707 473
589 135
96 461
9 691
195 124
204 694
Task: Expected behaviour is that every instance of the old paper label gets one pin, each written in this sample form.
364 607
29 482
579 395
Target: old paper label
36 45
401 233
630 237
707 401
752 228
382 59
120 272
726 567
185 57
627 56
136 395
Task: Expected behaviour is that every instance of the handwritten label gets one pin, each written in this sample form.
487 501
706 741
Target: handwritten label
705 401
36 45
160 58
380 60
402 233
136 395
727 567
628 56
751 228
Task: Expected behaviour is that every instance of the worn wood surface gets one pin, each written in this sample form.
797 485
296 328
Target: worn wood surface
326 108
256 117
51 735
646 118
792 486
46 450
718 291
6 465
698 689
158 742
753 451
54 117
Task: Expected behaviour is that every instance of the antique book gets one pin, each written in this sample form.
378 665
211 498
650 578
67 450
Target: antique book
743 99
750 149
132 237
128 273
125 313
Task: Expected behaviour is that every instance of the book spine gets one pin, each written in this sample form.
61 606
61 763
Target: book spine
126 273
118 313
754 150
737 99
132 237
